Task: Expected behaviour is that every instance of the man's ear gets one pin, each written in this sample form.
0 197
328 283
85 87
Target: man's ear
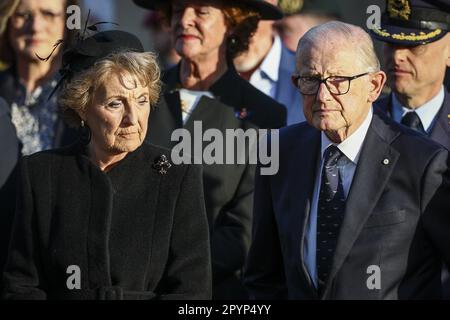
447 49
377 81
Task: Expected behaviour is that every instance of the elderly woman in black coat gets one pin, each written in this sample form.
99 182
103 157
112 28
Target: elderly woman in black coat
109 217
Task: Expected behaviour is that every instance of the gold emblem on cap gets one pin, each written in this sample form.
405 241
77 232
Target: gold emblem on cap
290 6
399 8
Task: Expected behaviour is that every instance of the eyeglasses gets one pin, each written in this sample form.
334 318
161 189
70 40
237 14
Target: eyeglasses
337 85
19 19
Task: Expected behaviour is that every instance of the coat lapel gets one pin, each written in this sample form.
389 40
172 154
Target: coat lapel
210 112
164 119
441 129
374 168
302 178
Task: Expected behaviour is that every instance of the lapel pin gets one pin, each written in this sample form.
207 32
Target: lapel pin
242 114
162 164
386 161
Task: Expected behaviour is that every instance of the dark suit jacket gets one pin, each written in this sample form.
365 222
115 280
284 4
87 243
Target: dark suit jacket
396 217
10 150
441 129
228 188
133 232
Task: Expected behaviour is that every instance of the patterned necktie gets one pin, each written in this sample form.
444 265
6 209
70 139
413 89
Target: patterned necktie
330 213
412 120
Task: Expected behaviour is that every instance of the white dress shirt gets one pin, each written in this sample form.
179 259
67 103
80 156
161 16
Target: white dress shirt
351 148
427 112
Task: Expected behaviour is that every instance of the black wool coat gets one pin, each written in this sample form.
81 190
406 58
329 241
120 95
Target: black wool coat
133 232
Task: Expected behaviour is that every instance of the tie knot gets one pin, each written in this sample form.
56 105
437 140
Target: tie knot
332 155
412 120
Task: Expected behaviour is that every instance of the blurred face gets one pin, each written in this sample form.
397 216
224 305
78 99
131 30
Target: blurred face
292 28
36 26
417 70
118 115
336 114
199 29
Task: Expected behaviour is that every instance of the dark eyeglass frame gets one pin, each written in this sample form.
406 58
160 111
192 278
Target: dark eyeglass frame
297 77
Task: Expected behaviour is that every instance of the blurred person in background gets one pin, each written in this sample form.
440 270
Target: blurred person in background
302 15
205 87
32 29
268 66
417 55
161 38
7 7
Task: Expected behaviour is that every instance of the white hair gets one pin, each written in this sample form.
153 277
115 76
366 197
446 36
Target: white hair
345 34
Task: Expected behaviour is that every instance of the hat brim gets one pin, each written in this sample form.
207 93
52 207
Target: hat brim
266 10
406 36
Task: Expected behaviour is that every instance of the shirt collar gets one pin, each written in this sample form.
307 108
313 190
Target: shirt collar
351 146
427 112
271 63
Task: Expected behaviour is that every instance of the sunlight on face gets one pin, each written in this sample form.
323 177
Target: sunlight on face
418 69
118 115
328 112
199 29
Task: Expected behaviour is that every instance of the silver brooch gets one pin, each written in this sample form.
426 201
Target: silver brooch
162 164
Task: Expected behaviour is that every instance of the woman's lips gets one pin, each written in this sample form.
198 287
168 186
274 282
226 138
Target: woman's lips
34 41
188 37
127 134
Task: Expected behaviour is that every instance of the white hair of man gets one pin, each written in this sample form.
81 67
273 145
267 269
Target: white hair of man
354 37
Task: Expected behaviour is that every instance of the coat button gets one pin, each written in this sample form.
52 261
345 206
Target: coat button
386 161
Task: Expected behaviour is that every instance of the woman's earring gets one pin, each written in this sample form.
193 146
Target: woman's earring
85 133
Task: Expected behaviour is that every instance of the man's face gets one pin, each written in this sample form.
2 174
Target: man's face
292 28
417 70
326 111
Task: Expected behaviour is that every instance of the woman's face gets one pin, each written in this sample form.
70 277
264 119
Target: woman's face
199 29
118 115
36 26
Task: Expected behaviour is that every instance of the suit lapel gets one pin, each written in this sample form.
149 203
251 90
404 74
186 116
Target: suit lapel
164 119
441 129
302 179
374 168
211 112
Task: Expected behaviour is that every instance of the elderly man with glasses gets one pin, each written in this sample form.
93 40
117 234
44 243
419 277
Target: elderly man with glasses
359 207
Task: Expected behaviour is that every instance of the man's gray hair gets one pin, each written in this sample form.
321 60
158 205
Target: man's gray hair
345 34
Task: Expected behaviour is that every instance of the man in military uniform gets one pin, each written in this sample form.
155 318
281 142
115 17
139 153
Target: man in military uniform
417 54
